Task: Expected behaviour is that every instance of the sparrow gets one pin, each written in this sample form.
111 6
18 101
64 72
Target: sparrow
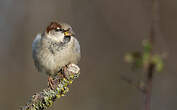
54 49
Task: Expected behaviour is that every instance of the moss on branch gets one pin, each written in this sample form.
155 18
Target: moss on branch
45 98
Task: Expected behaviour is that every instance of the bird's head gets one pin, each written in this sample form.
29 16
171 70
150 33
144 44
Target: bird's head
60 32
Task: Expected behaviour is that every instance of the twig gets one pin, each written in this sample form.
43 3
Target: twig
137 85
46 97
151 65
149 86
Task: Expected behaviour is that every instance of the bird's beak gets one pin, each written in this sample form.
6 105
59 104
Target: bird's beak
68 33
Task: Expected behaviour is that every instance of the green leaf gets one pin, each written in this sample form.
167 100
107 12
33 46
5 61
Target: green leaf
129 58
158 61
147 46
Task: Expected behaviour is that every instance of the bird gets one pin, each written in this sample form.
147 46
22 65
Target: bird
55 48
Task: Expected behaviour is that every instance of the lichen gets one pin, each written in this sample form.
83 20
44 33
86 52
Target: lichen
46 97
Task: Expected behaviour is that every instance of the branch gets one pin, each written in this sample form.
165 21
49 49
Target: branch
44 99
138 85
150 73
150 64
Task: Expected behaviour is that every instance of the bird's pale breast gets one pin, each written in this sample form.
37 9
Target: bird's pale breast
51 62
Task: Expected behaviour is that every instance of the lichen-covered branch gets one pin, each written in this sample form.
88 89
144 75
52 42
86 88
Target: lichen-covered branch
45 98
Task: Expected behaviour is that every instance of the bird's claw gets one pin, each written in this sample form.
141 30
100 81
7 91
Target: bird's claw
51 82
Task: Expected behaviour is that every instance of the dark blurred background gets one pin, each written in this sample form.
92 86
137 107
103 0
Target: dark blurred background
107 30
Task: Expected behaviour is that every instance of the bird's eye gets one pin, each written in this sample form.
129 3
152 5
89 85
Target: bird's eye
58 29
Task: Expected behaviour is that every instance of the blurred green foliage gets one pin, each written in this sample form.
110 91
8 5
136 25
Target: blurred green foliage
141 59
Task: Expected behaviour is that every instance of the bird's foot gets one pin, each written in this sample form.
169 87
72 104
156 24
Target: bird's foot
66 71
63 71
51 82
